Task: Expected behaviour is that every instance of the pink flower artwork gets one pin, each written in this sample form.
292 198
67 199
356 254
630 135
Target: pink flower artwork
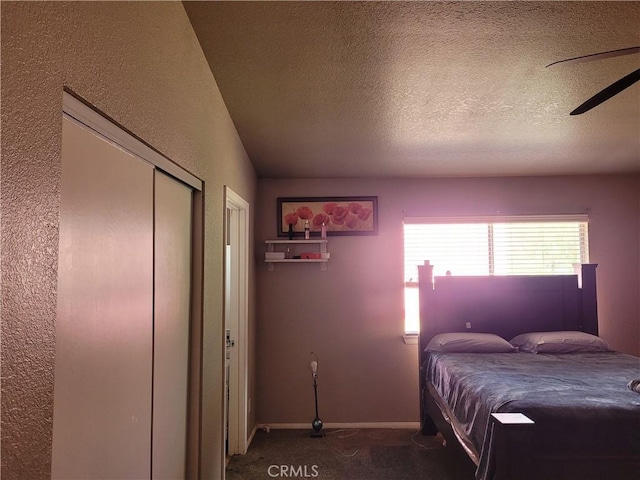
319 219
328 207
355 207
364 214
291 219
305 213
341 216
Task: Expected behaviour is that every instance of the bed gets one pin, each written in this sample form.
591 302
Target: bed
564 412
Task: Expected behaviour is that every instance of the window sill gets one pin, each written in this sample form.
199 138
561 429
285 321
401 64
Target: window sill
410 338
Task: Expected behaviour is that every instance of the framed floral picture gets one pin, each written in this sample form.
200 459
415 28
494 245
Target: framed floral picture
340 215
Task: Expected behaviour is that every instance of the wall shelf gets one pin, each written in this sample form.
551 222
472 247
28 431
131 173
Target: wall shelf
319 245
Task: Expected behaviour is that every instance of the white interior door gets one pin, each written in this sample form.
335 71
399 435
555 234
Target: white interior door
172 302
236 322
128 332
102 408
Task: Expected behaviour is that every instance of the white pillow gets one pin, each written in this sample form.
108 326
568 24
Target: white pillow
559 342
467 342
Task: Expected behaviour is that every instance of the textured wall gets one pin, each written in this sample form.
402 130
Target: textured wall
352 314
140 63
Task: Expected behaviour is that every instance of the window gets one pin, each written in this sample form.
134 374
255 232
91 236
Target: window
541 245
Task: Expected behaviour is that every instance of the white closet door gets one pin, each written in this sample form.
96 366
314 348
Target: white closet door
102 395
172 301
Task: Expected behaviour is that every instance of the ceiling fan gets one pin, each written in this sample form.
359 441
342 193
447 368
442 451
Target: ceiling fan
612 89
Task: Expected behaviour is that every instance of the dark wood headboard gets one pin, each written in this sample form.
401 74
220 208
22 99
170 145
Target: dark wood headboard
506 305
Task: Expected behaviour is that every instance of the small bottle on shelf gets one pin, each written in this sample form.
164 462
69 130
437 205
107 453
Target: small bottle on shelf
306 229
323 231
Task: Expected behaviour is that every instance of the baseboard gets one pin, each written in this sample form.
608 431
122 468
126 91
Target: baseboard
329 425
252 434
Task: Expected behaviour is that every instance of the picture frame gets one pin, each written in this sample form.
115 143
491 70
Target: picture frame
342 215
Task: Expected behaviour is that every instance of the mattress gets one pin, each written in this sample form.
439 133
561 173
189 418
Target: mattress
579 402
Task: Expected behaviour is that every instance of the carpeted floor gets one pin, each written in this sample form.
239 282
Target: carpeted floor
362 454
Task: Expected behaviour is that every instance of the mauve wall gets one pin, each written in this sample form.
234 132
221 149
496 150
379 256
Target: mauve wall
140 63
352 314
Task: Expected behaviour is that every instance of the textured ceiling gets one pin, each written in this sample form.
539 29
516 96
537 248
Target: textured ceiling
417 89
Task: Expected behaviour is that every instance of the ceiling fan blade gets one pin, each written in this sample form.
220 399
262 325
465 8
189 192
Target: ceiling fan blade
608 92
599 56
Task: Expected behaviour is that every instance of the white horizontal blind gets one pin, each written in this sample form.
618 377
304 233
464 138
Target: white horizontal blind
462 249
534 248
487 246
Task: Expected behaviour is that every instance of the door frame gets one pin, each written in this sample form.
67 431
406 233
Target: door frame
238 415
77 111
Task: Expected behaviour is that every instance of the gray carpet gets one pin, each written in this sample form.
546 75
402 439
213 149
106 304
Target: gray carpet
362 454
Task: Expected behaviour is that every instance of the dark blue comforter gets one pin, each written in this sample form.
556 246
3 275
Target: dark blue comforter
579 402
